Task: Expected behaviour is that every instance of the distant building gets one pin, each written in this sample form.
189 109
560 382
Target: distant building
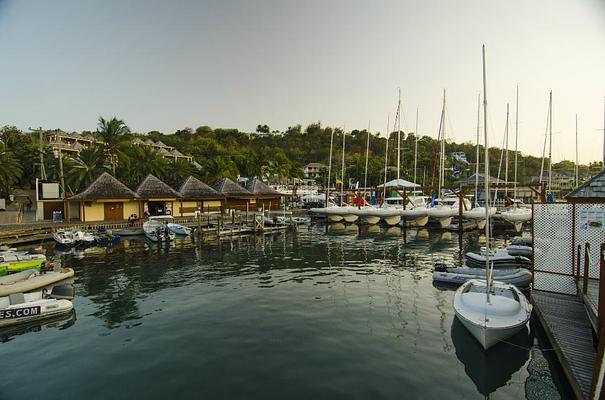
313 170
72 144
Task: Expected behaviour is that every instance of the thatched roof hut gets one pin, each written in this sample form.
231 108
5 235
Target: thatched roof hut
257 187
153 188
229 188
105 187
193 188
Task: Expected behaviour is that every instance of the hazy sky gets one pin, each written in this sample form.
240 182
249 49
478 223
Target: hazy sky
166 65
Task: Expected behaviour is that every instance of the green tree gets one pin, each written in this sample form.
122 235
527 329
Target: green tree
10 172
113 134
84 169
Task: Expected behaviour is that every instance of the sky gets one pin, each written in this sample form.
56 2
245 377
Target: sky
162 65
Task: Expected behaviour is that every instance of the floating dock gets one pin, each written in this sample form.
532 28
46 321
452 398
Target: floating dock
569 330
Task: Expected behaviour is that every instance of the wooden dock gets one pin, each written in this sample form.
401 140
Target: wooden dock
569 330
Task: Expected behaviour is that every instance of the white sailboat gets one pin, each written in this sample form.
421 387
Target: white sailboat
331 211
367 213
477 213
491 311
516 215
442 211
388 211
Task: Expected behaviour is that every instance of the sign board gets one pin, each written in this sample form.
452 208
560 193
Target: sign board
591 219
50 191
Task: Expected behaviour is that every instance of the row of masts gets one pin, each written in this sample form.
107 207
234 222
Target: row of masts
441 139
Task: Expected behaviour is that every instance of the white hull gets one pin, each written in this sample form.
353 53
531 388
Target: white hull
32 309
392 220
335 218
491 322
478 213
350 217
179 229
30 280
370 219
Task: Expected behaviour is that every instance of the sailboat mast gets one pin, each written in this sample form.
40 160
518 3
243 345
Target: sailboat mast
342 176
544 146
577 180
365 178
442 146
486 181
550 145
477 155
398 138
329 168
506 152
386 160
416 147
516 143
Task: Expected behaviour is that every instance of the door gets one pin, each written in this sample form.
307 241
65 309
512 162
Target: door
114 211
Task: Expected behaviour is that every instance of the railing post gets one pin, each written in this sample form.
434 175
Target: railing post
586 266
578 260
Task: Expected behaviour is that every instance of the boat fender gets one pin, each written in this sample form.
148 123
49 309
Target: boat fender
440 267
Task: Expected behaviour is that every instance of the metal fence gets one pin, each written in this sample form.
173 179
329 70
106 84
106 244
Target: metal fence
553 248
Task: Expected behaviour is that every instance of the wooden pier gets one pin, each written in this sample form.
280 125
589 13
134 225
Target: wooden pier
569 330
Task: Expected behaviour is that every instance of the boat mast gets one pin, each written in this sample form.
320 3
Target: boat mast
603 133
386 160
365 178
398 138
544 146
577 180
416 147
516 143
442 146
550 145
486 180
342 176
506 152
329 168
477 155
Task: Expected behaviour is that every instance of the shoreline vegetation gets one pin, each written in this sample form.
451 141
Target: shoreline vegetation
211 154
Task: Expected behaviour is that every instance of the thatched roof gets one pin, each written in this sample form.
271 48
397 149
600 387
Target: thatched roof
229 188
193 188
153 188
105 187
256 186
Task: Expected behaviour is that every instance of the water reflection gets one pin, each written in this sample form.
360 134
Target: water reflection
492 369
59 322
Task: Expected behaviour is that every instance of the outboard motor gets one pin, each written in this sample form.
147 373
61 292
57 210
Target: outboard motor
63 291
440 267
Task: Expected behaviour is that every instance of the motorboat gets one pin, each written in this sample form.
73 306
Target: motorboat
491 312
64 237
31 279
179 229
12 262
21 308
446 208
520 250
128 232
84 237
500 258
519 277
156 231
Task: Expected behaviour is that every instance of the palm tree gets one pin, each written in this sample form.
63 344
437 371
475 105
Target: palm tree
86 168
10 172
112 133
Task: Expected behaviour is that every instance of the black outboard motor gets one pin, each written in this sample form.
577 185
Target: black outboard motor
63 291
440 267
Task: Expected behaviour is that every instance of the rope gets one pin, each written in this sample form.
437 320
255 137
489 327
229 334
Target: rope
525 348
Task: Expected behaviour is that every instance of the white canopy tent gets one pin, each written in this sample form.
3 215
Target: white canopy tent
401 183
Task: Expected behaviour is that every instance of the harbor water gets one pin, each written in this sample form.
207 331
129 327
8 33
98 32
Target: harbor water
322 313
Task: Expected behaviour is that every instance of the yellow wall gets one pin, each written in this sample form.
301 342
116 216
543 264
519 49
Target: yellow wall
185 204
93 212
131 207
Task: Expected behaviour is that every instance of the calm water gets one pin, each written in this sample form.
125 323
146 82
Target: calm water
308 315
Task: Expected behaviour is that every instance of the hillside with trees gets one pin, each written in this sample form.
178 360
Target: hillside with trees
272 155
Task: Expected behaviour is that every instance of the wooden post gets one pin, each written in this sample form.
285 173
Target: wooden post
460 205
578 261
586 266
